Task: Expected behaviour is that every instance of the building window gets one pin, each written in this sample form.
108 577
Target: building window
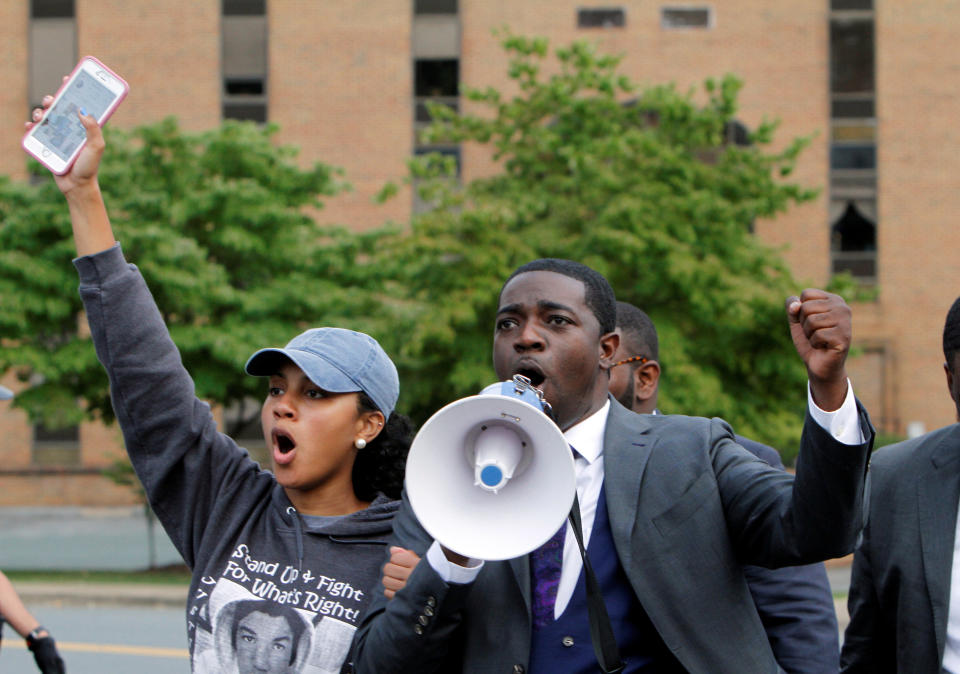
853 156
56 447
853 243
435 7
244 7
851 4
853 133
436 81
601 17
244 60
53 46
851 63
436 75
678 18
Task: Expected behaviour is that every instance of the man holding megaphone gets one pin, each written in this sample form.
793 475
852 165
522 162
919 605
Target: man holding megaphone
671 507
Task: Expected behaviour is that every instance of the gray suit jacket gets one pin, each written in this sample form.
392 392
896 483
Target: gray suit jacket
900 584
688 506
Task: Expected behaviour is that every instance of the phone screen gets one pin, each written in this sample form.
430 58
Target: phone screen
61 130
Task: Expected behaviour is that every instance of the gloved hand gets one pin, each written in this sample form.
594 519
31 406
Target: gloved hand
45 653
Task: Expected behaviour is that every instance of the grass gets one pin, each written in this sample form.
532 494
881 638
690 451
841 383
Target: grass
167 575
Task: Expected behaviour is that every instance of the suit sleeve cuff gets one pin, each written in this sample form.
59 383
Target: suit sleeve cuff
842 424
450 572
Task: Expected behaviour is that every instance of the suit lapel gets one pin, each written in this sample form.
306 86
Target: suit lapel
938 490
627 443
626 448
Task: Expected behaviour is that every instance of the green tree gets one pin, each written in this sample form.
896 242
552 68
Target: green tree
641 185
220 225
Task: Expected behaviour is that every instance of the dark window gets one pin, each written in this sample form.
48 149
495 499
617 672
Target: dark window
56 446
244 86
253 112
685 17
853 157
436 77
51 9
601 17
852 107
851 56
851 4
853 232
736 133
435 6
244 7
853 244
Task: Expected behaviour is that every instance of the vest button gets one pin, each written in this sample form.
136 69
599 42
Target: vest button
418 630
423 620
567 641
518 669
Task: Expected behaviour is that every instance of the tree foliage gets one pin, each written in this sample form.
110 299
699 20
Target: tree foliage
219 224
643 186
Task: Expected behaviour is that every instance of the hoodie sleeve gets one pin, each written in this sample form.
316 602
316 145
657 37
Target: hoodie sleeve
182 460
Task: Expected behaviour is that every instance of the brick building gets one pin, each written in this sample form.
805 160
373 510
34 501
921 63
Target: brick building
346 82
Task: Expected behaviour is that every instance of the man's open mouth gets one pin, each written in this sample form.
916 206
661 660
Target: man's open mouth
535 376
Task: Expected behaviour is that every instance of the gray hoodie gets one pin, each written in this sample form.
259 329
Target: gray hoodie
268 584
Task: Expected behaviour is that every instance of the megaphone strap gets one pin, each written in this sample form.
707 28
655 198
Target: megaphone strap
601 631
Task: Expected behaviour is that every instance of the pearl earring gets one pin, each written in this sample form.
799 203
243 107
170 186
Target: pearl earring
359 443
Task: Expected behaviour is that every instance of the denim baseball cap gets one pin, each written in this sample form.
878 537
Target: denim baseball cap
5 393
338 361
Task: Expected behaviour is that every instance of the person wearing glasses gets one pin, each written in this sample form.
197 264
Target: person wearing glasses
795 603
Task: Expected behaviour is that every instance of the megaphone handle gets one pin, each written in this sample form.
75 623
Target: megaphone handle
601 631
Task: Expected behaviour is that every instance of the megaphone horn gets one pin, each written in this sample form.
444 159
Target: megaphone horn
491 476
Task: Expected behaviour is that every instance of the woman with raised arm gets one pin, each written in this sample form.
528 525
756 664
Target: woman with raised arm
308 536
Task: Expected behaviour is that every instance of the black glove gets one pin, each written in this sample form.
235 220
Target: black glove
45 653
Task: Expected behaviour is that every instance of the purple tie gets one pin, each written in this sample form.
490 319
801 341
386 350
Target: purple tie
546 563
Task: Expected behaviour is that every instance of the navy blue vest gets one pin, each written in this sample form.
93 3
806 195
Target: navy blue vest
564 646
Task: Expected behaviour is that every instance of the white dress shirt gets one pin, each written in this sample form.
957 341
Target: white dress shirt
586 438
951 650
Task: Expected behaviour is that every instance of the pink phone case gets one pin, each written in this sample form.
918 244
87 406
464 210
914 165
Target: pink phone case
103 120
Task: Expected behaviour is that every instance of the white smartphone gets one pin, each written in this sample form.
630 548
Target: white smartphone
56 140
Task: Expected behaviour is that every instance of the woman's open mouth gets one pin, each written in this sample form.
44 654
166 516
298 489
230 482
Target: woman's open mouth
283 446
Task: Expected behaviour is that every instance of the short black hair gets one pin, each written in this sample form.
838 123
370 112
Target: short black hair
597 292
951 333
637 331
245 607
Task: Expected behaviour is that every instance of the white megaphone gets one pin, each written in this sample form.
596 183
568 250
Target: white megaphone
491 476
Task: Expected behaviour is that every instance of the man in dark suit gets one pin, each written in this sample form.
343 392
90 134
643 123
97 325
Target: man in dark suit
905 586
795 603
673 506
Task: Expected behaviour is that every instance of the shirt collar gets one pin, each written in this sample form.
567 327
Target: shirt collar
587 435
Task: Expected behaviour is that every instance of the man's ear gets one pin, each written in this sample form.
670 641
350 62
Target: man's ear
609 343
646 380
952 387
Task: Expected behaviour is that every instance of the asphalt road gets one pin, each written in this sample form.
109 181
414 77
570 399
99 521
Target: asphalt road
99 639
